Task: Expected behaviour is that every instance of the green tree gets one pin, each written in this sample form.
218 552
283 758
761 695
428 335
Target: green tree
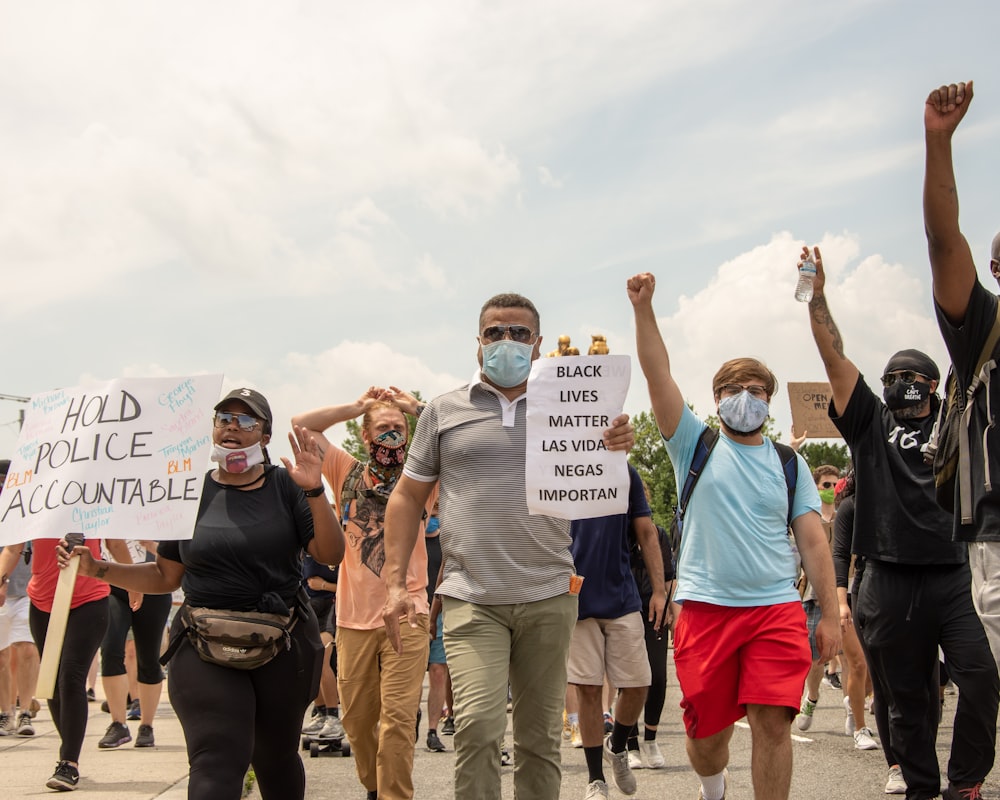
650 460
355 445
818 453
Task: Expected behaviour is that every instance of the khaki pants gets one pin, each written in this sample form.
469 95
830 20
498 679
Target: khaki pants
984 562
379 696
527 645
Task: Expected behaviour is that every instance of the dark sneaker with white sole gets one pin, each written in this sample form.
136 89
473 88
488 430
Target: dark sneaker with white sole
65 778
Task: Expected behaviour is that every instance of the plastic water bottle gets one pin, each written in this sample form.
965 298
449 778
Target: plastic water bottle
804 288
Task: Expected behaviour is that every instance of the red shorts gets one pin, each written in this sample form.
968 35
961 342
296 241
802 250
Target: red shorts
728 658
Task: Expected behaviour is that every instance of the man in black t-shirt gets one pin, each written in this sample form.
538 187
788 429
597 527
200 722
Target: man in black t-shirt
914 595
966 313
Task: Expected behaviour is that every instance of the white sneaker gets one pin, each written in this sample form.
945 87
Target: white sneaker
596 790
895 784
849 725
804 719
863 740
332 729
634 761
315 726
624 779
652 758
575 738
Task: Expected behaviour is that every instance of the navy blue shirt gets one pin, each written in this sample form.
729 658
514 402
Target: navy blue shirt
600 551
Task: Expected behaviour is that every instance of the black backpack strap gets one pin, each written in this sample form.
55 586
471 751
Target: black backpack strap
702 451
790 468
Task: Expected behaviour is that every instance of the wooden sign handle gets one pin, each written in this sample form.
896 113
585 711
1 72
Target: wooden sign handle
49 668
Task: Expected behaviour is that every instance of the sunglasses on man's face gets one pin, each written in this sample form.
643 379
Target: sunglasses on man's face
827 485
245 421
909 377
519 333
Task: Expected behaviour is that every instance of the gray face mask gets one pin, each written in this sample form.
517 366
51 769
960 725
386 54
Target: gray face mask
743 412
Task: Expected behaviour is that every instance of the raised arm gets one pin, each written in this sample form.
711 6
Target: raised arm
327 545
319 419
952 267
664 394
840 370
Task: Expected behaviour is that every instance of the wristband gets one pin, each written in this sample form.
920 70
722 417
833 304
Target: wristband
317 492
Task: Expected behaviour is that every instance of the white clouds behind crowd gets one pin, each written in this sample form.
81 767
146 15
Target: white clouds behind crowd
316 197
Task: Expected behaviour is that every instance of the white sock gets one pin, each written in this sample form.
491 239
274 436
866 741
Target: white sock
573 719
713 787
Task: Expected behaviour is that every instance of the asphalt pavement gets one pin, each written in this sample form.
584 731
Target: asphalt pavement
826 763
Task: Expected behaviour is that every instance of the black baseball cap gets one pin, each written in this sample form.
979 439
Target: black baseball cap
254 400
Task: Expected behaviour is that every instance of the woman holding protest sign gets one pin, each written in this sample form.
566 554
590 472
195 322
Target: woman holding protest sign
240 572
85 627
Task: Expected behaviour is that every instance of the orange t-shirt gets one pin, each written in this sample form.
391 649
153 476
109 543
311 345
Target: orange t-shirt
45 576
360 586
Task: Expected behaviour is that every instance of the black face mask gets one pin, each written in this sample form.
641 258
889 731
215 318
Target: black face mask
902 395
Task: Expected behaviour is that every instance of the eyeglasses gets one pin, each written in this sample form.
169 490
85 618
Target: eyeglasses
519 333
730 389
827 484
909 377
245 421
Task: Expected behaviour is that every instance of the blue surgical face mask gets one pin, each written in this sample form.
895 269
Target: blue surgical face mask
743 412
432 525
507 363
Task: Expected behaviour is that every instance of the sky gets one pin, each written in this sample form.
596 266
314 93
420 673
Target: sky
317 197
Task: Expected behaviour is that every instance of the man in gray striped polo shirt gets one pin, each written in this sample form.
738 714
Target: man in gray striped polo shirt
508 613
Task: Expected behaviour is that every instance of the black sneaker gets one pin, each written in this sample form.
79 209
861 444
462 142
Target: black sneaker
91 697
145 736
434 744
134 711
116 735
448 726
65 778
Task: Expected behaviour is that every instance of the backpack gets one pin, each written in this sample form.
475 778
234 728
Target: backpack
947 450
702 450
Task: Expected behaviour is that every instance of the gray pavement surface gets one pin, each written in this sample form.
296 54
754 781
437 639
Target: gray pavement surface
826 763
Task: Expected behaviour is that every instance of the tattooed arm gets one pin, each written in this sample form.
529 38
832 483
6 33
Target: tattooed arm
840 370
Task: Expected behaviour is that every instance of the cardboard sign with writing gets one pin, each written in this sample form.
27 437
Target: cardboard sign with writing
570 474
123 459
810 401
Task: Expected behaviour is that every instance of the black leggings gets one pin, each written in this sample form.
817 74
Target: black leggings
68 707
147 626
656 651
233 717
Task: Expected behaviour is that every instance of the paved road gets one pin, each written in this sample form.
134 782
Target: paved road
826 764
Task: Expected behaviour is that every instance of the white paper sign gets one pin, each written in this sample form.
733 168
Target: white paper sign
118 460
571 401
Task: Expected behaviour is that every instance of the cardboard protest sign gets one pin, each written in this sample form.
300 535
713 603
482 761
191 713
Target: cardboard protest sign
570 474
810 401
123 459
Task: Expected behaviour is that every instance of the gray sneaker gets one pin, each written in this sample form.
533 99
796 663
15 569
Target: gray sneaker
896 784
116 735
624 779
7 725
24 726
145 737
596 790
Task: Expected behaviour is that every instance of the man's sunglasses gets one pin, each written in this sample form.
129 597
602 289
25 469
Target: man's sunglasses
909 377
827 485
519 333
245 421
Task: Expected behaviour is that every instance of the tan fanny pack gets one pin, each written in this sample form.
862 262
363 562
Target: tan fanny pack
237 639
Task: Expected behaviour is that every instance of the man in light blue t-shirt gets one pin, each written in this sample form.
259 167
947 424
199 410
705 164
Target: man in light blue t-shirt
740 642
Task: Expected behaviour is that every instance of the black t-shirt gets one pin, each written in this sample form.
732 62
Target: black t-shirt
843 539
965 343
245 544
896 517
